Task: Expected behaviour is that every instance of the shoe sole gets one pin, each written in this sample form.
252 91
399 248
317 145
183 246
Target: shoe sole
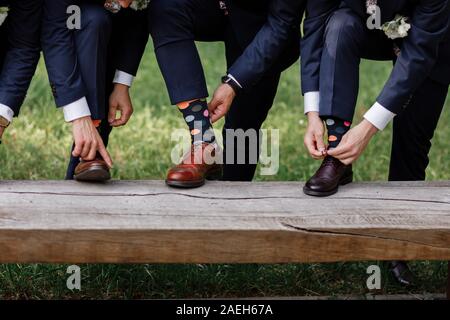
343 182
216 175
94 174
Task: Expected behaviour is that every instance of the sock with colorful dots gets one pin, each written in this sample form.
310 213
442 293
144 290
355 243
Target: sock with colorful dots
196 115
336 128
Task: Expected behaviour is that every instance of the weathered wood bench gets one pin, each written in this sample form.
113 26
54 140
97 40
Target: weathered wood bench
146 222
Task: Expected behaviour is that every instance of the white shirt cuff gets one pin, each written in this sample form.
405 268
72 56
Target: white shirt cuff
76 110
234 79
123 78
379 116
6 112
312 100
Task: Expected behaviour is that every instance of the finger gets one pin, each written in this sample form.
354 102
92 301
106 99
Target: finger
124 118
217 114
118 123
320 144
213 104
86 149
347 161
345 155
77 149
105 155
112 112
92 152
311 146
351 157
341 149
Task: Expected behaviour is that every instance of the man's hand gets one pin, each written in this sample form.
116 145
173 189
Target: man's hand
120 101
221 102
125 3
314 136
354 142
88 141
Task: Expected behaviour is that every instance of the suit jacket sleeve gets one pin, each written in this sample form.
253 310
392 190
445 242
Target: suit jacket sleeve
419 53
317 14
283 19
130 37
22 56
58 44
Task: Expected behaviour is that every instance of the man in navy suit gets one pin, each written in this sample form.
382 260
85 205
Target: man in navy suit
261 40
19 55
126 45
76 63
337 35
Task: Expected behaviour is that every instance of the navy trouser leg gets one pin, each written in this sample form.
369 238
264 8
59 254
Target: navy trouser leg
73 162
347 40
92 45
248 112
413 130
174 26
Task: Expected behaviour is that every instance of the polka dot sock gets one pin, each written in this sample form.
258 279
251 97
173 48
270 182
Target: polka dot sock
336 128
196 115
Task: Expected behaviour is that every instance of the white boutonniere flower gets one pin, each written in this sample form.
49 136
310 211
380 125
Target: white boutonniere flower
114 6
139 4
397 28
3 14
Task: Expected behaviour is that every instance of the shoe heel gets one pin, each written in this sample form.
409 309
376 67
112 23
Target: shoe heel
346 180
217 175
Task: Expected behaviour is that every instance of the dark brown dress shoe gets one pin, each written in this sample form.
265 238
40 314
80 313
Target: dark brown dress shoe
196 167
94 171
401 273
326 181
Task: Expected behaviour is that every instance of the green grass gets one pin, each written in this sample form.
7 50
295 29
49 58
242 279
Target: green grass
37 147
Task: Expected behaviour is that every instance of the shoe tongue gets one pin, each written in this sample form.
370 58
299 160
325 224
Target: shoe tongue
330 161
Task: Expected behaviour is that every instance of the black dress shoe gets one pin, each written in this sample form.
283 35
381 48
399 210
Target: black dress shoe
401 273
326 181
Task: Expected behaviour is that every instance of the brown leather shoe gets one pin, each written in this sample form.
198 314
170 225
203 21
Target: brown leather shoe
94 171
194 169
331 174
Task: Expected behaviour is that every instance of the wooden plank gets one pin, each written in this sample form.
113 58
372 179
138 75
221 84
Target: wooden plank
147 222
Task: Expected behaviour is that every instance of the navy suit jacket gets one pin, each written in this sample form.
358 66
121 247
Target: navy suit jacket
278 39
425 51
23 51
60 53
